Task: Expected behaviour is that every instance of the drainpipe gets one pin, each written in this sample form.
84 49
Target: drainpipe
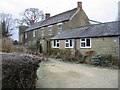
75 46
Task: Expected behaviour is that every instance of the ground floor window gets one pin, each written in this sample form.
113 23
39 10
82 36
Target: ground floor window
69 43
85 43
55 44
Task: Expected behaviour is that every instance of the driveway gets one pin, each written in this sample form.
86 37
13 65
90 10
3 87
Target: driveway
58 74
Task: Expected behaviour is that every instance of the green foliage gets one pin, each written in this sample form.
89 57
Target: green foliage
38 45
32 47
100 60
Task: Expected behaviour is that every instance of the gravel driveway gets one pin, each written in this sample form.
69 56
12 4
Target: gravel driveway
58 74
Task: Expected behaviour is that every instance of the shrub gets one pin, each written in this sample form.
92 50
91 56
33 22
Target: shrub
60 53
78 56
19 71
89 52
7 44
101 60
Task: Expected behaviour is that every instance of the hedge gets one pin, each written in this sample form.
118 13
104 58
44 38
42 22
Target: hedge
19 71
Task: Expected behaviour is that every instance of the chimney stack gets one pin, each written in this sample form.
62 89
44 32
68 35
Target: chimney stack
79 5
47 15
32 22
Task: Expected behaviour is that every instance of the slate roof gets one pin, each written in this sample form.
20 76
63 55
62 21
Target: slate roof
34 26
98 30
54 19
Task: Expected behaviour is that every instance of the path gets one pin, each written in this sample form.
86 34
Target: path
58 74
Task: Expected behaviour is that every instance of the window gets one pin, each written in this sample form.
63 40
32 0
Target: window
69 43
55 44
42 31
34 33
85 43
26 35
50 30
59 28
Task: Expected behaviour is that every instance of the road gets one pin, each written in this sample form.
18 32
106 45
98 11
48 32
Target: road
58 74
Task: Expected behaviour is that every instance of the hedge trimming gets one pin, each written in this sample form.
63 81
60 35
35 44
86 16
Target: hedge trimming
19 71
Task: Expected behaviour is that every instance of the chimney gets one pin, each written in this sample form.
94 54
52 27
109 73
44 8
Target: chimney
47 15
22 28
79 5
32 22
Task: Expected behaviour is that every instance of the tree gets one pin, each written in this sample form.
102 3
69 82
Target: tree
31 15
6 21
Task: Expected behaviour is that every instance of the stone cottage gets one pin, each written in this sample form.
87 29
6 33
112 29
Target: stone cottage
51 26
102 38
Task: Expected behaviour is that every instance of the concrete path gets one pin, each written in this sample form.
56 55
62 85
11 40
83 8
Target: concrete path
58 74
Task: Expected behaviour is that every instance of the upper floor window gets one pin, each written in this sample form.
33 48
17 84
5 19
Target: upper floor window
85 43
26 35
42 31
50 30
34 33
55 44
59 28
69 43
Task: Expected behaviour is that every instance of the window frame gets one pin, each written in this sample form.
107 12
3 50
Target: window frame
68 42
26 36
50 30
59 29
34 33
54 43
42 31
85 43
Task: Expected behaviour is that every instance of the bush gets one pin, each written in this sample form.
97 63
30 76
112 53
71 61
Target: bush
60 53
19 71
78 56
101 60
7 45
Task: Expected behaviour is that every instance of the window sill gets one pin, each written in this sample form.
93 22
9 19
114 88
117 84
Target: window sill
55 47
68 47
85 47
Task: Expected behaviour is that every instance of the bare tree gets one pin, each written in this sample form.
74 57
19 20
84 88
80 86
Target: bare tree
31 15
7 23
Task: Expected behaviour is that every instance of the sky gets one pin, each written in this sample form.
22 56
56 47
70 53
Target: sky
98 10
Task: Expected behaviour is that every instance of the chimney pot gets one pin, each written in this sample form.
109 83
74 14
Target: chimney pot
79 5
47 16
32 22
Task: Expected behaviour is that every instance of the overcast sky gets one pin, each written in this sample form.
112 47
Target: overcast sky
99 10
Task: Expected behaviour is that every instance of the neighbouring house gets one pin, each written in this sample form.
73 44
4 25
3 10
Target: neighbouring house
21 34
51 26
102 38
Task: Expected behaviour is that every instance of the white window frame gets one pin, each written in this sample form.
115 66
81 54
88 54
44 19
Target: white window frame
56 42
26 35
85 43
42 31
59 29
68 42
34 33
50 30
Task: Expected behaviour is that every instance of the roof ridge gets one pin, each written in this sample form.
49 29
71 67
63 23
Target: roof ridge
63 12
95 24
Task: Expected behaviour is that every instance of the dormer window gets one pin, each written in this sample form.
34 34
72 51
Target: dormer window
59 28
50 30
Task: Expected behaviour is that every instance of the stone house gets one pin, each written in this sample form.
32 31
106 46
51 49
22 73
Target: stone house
102 38
54 25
